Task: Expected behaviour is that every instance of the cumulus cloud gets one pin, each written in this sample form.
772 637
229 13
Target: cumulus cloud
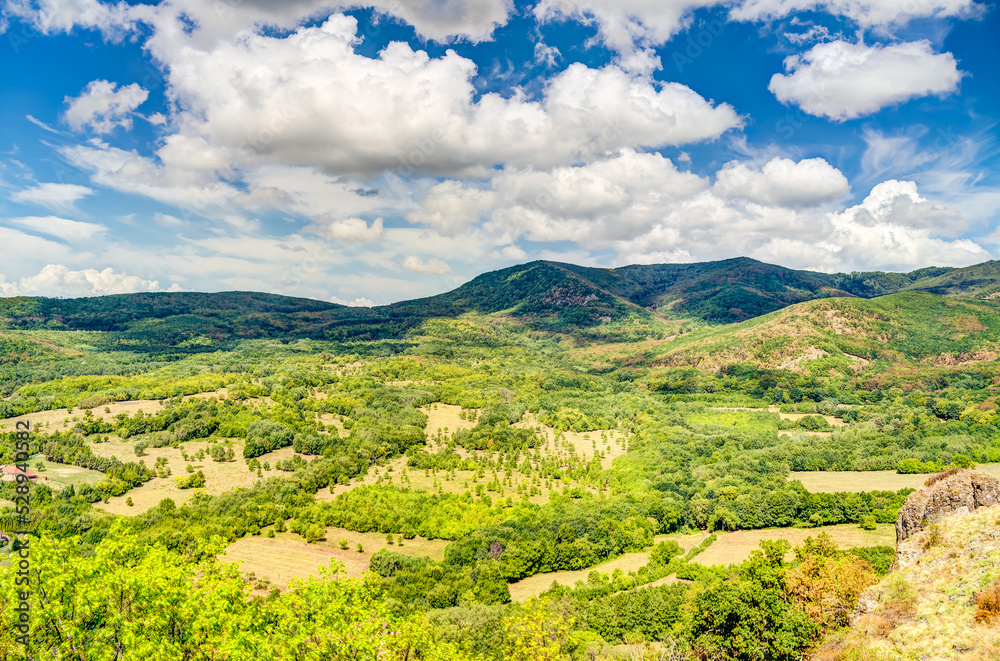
783 182
103 106
843 80
893 228
432 266
623 24
440 20
71 231
867 13
49 16
351 230
310 99
450 207
359 302
646 211
58 280
57 197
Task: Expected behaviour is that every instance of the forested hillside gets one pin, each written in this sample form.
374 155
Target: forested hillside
542 464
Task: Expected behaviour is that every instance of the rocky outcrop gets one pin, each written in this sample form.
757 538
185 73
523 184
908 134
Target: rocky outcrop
959 493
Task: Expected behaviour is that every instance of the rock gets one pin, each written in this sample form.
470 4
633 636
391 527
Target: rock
958 493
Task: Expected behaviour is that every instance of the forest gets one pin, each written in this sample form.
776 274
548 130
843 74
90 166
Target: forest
522 443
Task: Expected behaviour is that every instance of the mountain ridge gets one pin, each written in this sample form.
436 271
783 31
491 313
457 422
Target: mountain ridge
544 294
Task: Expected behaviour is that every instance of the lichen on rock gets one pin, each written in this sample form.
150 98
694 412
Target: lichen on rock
959 493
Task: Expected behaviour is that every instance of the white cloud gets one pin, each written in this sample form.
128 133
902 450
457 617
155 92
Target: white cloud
208 22
433 266
450 207
49 16
783 182
310 99
623 24
192 184
71 231
58 197
867 13
359 302
842 80
442 20
351 230
58 280
102 107
592 205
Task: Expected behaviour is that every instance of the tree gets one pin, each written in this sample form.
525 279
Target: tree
218 453
747 615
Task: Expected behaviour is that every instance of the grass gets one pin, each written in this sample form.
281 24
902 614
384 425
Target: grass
735 547
539 583
563 445
220 477
287 556
56 419
942 587
63 475
858 481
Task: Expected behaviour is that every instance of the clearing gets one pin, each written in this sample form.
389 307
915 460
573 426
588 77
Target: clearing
857 481
533 586
287 556
63 475
734 547
220 477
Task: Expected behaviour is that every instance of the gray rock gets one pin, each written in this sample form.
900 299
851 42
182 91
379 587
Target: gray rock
960 493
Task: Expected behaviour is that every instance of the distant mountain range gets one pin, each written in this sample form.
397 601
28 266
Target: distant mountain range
542 293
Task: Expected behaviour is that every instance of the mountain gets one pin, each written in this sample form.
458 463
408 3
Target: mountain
846 333
542 294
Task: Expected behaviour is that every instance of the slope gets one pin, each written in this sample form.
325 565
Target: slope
843 333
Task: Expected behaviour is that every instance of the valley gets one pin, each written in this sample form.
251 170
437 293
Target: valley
609 453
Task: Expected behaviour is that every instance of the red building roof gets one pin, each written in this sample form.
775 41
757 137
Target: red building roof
14 470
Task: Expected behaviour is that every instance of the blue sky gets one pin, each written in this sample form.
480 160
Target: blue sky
364 153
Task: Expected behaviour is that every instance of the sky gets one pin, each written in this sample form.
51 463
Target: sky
375 151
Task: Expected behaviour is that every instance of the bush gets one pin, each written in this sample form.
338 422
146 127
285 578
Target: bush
194 481
263 436
988 604
868 522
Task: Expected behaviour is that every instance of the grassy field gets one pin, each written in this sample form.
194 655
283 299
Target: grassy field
286 556
219 476
857 481
539 583
63 475
62 418
732 547
441 417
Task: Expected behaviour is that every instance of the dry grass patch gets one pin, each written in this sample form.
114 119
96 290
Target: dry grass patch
220 477
286 556
539 583
858 481
57 419
445 418
735 547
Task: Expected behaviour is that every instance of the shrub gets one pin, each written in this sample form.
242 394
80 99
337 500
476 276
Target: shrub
343 544
988 604
868 522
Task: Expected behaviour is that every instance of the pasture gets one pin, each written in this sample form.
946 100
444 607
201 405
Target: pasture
734 547
533 586
60 476
286 556
858 481
220 477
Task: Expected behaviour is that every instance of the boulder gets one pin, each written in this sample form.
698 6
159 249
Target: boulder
946 494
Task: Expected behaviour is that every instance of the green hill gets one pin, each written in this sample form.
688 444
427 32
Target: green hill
600 303
845 333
